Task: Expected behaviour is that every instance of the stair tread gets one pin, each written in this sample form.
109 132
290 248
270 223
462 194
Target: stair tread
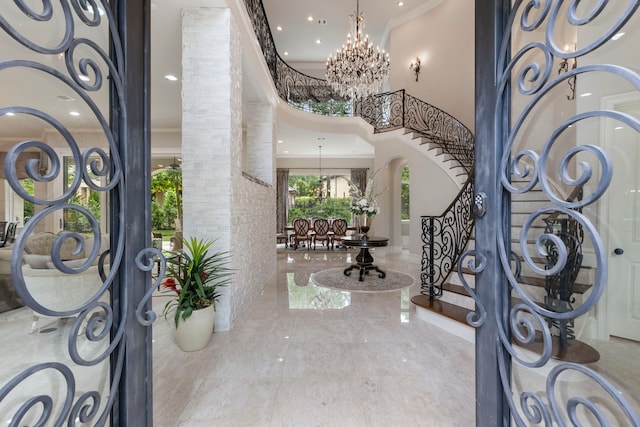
443 308
577 288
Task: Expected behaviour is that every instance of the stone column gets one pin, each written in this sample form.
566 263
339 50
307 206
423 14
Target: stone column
211 128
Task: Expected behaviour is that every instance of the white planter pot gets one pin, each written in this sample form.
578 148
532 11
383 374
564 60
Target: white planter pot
194 332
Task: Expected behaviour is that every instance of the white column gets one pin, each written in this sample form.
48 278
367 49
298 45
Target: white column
211 128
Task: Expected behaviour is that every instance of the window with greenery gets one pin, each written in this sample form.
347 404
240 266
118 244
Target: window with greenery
166 199
404 193
304 203
85 197
28 207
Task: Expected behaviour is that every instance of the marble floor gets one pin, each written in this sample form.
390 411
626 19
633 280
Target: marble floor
301 355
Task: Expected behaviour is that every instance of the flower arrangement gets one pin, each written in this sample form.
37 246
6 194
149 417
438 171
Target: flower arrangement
364 203
194 276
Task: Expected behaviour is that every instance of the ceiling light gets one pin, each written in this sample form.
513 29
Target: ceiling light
584 95
400 3
318 41
358 69
279 28
280 141
310 18
10 114
171 77
617 36
74 113
286 151
618 128
286 53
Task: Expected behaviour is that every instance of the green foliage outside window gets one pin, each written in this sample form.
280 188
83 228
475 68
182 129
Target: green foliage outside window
306 203
309 207
28 209
404 194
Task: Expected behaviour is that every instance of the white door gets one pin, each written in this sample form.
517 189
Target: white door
623 143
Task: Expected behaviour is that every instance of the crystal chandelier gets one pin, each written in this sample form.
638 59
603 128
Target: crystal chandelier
358 69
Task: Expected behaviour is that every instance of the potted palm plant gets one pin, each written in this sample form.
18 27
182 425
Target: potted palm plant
194 276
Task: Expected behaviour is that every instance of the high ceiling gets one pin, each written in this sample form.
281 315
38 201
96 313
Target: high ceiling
298 36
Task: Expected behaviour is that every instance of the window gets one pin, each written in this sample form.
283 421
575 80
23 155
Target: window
404 194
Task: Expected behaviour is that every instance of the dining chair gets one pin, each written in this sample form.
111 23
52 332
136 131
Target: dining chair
301 232
339 231
320 232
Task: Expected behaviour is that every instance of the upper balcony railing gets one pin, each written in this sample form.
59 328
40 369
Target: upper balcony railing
385 112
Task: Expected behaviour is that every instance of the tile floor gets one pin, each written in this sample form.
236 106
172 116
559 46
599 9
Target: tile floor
305 356
308 356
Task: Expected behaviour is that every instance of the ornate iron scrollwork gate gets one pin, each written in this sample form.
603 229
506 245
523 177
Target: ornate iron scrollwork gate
543 68
74 73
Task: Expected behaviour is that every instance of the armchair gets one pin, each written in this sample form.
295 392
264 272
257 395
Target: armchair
321 232
339 231
301 232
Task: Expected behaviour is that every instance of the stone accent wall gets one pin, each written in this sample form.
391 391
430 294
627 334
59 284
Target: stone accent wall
260 148
218 202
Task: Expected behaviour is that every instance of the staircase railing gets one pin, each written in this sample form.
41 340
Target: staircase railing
444 239
444 236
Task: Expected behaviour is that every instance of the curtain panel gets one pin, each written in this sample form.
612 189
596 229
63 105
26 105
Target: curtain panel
359 178
282 199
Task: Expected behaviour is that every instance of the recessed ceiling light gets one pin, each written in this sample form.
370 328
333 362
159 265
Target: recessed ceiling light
74 113
171 77
400 3
318 41
279 28
310 18
617 36
280 141
286 53
84 78
584 95
286 151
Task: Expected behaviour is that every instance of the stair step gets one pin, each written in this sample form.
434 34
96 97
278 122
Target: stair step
442 308
578 288
455 288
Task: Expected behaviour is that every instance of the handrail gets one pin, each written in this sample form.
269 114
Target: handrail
444 239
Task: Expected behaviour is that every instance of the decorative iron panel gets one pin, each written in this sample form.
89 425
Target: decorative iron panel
550 144
444 239
71 48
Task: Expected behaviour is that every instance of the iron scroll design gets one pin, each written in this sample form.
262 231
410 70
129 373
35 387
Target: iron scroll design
528 73
92 71
444 239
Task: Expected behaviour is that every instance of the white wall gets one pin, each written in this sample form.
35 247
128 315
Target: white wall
431 189
444 39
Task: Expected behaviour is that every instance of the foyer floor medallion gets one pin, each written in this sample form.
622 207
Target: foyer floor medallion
334 278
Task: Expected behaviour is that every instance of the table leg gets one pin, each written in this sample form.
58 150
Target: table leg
364 263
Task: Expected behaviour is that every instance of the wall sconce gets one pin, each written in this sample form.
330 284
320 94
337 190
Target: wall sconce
415 66
564 68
